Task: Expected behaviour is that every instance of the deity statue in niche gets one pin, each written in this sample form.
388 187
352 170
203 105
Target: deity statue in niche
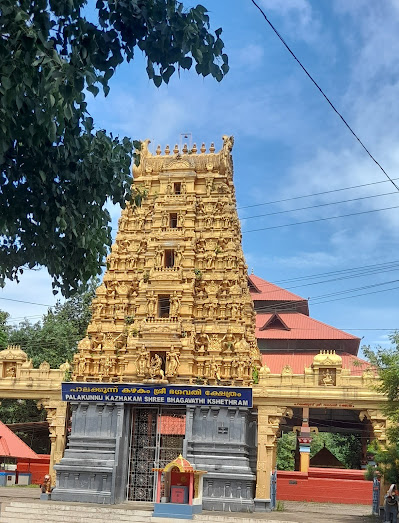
143 362
241 368
234 311
180 219
234 368
202 342
212 308
12 371
214 369
172 362
209 184
158 257
178 257
174 305
327 377
155 369
228 341
151 305
107 367
82 365
164 219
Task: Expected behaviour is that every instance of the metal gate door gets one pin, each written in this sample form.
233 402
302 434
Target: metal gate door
157 438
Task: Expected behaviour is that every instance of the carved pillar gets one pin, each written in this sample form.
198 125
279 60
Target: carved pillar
379 423
56 417
269 418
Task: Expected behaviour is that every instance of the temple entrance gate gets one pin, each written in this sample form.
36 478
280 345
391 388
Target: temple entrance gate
157 435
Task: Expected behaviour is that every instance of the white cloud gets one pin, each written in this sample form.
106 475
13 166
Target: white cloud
298 19
248 57
301 9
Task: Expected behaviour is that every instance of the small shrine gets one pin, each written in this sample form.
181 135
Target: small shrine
12 359
179 490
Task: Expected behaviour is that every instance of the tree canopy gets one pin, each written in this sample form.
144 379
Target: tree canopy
345 447
386 361
57 170
54 339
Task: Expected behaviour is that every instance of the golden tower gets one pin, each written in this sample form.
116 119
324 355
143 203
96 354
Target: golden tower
174 305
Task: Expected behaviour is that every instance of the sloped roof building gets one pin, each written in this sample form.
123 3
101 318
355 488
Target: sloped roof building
287 335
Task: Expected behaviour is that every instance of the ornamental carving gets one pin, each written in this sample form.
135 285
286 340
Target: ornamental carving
174 305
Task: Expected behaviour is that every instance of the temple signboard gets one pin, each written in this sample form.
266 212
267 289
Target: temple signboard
158 394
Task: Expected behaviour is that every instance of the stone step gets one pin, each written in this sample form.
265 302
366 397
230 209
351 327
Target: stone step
45 507
59 516
81 508
64 513
19 511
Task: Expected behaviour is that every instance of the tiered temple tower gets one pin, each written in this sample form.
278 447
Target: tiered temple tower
174 305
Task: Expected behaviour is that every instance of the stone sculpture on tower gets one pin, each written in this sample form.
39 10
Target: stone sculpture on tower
174 304
173 308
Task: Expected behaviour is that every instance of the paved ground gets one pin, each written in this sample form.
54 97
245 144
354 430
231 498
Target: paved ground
294 512
299 512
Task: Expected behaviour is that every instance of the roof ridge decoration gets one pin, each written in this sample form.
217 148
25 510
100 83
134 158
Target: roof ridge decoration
186 160
327 358
13 352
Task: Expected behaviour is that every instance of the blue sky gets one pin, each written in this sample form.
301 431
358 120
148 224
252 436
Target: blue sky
288 143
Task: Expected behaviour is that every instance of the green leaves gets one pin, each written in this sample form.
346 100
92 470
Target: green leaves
57 171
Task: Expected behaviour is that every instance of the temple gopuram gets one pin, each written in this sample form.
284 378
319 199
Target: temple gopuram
177 360
174 307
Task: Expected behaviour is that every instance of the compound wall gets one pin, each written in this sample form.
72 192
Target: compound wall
325 486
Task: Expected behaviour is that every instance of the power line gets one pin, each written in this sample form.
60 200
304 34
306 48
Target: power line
361 267
288 305
318 205
357 295
324 95
321 219
29 302
313 194
380 268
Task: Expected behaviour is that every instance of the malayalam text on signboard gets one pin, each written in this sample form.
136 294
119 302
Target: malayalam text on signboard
158 394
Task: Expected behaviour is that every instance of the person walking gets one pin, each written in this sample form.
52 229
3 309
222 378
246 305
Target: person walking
391 505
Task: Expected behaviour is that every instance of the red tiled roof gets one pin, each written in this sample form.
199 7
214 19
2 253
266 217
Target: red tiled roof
266 291
301 327
299 360
12 446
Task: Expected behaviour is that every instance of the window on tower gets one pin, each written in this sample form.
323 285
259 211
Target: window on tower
177 187
163 306
169 258
173 220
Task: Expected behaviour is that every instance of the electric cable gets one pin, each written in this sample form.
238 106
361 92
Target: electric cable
320 219
28 302
324 95
342 277
314 194
317 206
329 273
